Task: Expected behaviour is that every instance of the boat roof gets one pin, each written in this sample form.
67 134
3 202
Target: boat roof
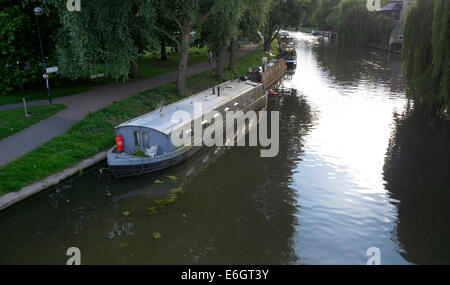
168 120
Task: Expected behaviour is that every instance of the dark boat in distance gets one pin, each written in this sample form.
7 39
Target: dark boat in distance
287 51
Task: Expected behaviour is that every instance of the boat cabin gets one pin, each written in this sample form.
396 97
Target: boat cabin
150 134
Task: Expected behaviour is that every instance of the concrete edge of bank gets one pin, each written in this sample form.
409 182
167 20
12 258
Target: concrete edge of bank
13 198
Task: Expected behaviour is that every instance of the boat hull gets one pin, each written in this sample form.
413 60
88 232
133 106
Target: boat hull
135 167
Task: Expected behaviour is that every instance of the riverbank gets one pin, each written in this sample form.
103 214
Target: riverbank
14 120
94 133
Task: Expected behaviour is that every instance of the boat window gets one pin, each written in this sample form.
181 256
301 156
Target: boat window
145 140
136 139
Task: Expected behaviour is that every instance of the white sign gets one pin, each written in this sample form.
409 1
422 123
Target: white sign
52 69
373 5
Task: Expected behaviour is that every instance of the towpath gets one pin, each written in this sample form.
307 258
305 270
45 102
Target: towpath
79 106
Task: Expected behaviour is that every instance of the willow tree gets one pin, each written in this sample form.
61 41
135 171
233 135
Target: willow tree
440 43
251 23
186 14
282 14
322 13
221 28
107 33
417 54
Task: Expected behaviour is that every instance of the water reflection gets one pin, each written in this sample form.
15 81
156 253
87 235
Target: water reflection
417 176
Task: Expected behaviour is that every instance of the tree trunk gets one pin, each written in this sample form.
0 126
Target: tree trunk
182 65
267 43
221 61
134 71
233 45
163 50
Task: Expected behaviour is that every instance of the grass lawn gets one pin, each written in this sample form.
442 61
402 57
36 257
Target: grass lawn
14 120
40 92
151 65
148 65
94 133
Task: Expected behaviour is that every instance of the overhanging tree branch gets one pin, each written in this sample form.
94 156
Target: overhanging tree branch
169 35
204 17
173 17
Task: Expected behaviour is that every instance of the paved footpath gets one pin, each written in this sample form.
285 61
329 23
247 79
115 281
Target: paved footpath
79 106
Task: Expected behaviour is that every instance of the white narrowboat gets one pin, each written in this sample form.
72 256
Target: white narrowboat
144 144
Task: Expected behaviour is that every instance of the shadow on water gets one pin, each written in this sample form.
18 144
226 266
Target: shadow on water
417 174
352 66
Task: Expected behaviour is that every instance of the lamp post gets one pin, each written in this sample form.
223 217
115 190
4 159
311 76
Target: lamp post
37 13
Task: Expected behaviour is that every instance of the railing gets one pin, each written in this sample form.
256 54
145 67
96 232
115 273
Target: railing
273 73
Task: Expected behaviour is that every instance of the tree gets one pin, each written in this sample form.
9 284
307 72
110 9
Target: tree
417 53
166 31
186 14
19 41
250 24
282 13
111 33
221 29
357 26
440 42
324 9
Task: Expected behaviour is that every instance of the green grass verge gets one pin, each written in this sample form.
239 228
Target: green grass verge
13 120
39 92
94 133
148 65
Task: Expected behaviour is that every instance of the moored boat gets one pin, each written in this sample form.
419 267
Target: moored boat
144 144
289 54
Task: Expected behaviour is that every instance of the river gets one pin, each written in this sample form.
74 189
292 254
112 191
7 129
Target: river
358 167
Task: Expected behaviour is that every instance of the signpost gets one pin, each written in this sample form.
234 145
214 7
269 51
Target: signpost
52 69
20 67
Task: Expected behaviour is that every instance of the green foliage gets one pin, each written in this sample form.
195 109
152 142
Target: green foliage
281 13
253 18
139 153
322 13
223 23
14 120
107 32
356 25
19 41
425 54
441 49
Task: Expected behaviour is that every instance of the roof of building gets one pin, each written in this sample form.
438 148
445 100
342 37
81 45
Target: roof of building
177 114
393 5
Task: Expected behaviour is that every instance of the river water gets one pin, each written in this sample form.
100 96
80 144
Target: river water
358 167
